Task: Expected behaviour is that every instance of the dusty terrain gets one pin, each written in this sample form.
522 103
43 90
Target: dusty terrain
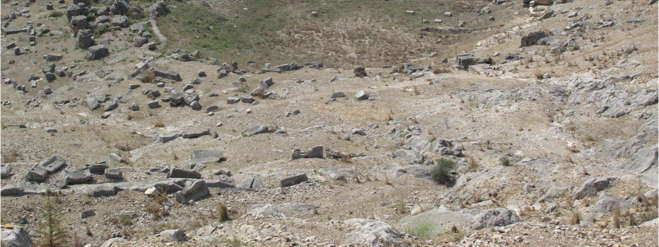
553 142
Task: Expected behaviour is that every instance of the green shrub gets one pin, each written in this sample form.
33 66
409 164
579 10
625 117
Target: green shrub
101 29
442 172
91 16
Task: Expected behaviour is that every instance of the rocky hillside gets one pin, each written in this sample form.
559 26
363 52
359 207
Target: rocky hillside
400 123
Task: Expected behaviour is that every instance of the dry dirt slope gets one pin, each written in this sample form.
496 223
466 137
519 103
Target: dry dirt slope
553 148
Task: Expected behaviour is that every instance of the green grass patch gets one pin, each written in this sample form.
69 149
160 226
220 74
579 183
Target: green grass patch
370 32
423 231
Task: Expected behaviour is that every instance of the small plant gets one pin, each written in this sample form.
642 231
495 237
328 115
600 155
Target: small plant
91 16
244 89
222 213
504 161
233 242
159 124
576 218
75 242
52 233
401 208
125 220
148 77
423 231
101 29
157 208
10 156
451 236
616 217
472 164
55 14
442 172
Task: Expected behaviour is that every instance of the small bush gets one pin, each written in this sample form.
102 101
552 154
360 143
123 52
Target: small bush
10 156
423 231
101 29
125 220
472 164
505 161
55 14
222 213
158 124
50 229
149 77
401 208
576 218
91 17
442 172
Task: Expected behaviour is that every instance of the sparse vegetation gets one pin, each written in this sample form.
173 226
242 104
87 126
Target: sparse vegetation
505 161
10 156
401 208
55 14
101 29
159 124
222 213
368 31
53 235
576 218
157 207
423 231
442 172
148 76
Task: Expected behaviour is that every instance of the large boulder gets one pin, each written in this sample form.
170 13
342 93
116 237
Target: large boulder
206 156
120 20
360 72
12 190
293 180
166 137
465 60
314 152
84 39
263 85
338 173
195 132
158 9
259 129
192 191
120 7
367 232
79 22
174 234
53 164
591 187
5 171
77 177
16 237
183 173
37 174
97 52
644 163
167 75
98 190
75 10
532 38
495 217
